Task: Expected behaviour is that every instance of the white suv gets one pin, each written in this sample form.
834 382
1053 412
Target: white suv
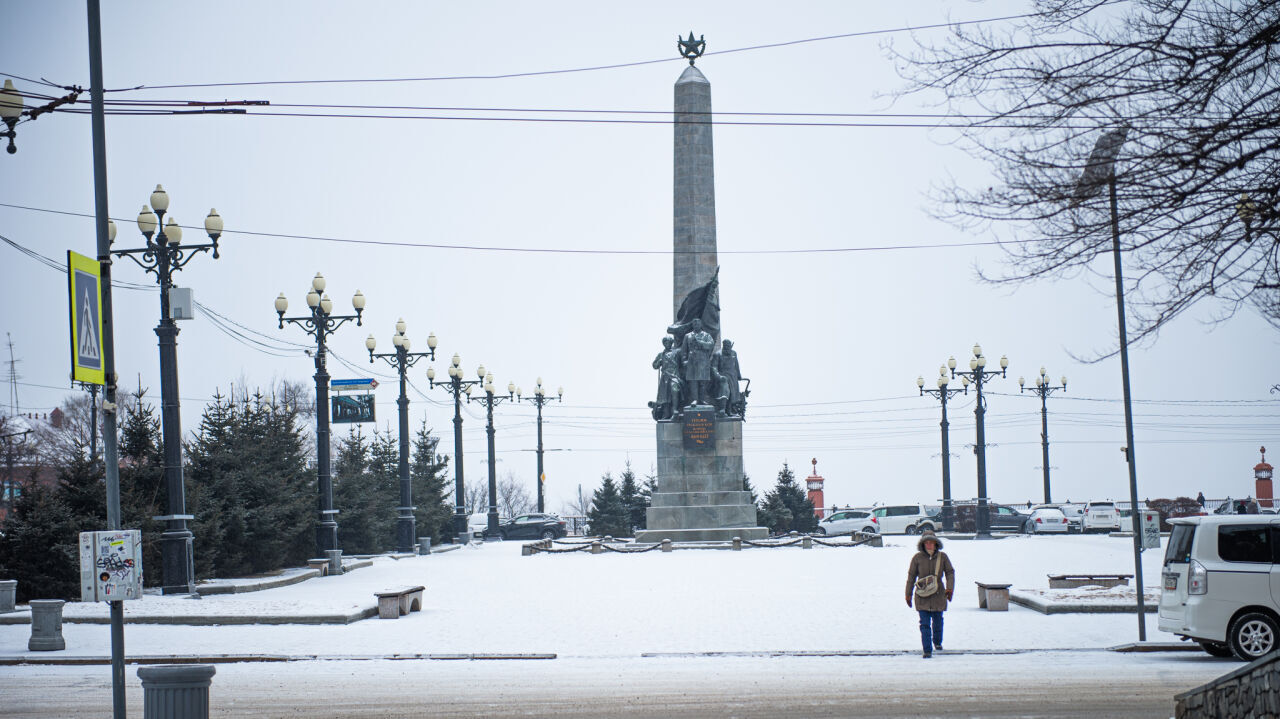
1220 584
849 520
1100 517
908 518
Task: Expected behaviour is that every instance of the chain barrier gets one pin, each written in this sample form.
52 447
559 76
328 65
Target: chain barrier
551 550
583 546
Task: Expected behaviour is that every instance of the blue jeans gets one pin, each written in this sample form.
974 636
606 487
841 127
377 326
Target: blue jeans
930 628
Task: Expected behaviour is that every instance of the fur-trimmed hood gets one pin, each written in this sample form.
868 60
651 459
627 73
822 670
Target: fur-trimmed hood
928 535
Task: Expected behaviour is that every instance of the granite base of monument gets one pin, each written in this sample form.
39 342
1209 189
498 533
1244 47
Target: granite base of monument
700 497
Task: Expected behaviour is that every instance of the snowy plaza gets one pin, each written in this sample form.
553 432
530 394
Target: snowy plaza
764 622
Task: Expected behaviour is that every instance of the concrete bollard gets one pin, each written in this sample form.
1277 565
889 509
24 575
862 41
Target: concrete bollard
424 546
737 544
595 547
526 550
807 542
335 560
666 545
8 595
176 691
46 626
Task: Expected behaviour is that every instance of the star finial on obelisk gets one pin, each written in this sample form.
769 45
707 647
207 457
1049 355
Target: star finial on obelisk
691 49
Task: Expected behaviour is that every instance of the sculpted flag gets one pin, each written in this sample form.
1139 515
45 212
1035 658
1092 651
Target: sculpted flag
701 304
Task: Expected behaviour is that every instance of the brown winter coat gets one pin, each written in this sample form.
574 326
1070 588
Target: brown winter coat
922 566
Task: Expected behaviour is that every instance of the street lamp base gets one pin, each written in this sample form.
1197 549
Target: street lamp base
177 562
406 532
326 536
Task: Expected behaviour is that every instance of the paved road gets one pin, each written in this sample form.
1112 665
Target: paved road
1046 684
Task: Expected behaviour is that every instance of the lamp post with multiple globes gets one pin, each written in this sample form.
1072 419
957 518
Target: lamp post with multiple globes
979 375
163 255
539 400
457 386
320 323
401 359
490 400
1044 388
943 394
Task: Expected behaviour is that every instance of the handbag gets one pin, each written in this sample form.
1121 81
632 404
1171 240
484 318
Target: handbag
928 586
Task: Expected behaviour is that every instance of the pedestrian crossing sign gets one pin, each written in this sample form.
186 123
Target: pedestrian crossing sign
84 281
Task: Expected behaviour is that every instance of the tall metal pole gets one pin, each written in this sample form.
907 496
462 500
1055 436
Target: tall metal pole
109 439
540 471
493 467
1128 413
327 525
982 521
93 423
948 512
1044 442
406 523
176 541
460 506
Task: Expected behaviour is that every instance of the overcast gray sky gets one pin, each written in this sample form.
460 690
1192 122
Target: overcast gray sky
832 341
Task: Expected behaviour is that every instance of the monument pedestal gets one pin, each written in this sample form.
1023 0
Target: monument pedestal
700 495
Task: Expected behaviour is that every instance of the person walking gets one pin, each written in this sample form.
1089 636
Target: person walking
931 580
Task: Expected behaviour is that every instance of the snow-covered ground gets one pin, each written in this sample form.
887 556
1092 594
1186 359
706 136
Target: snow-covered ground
490 599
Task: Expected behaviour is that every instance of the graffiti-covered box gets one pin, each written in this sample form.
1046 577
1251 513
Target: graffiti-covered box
110 565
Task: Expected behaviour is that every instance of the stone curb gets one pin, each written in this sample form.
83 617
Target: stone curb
233 588
1046 607
206 620
1135 647
246 658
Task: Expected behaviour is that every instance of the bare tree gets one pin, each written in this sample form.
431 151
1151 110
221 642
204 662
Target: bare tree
513 496
477 497
1194 83
580 505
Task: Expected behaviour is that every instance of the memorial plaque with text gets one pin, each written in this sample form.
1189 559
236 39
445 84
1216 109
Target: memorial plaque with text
699 429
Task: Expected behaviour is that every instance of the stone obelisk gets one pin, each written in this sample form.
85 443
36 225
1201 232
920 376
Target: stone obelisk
694 238
699 495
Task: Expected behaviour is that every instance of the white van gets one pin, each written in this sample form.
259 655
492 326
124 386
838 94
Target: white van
1220 584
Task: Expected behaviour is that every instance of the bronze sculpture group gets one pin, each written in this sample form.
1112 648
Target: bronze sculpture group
692 372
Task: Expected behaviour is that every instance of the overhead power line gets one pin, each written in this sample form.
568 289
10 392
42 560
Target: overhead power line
549 250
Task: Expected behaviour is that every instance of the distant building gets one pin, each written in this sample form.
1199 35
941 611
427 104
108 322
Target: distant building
814 483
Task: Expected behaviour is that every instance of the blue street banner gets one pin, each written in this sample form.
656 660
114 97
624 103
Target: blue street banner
353 385
84 284
351 408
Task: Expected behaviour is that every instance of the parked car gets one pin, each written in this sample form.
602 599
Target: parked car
1100 517
1073 512
477 523
1046 520
1000 517
908 518
532 526
1218 576
849 520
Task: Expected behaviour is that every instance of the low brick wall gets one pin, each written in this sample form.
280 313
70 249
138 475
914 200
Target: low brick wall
1250 691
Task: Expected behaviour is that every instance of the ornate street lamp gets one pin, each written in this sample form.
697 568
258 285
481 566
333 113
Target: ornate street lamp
457 386
10 111
1043 388
539 400
401 360
320 323
490 400
943 394
163 255
977 374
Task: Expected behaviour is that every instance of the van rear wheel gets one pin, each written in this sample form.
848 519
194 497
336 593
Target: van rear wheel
1253 635
911 529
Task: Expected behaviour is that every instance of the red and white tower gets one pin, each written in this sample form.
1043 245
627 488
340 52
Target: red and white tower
1262 480
815 491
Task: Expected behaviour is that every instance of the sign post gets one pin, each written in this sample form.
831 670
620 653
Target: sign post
1150 530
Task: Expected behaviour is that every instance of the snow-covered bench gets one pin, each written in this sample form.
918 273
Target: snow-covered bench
320 564
395 602
1071 581
993 597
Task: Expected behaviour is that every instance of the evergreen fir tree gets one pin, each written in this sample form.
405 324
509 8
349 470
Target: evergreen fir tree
142 482
354 494
213 461
787 508
632 500
38 546
432 490
608 515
